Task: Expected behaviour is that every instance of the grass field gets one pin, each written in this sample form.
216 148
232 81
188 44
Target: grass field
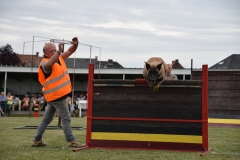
15 144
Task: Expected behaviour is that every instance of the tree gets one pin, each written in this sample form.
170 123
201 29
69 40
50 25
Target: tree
8 56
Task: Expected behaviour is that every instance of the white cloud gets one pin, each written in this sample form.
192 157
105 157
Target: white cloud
137 12
128 31
9 38
142 26
40 20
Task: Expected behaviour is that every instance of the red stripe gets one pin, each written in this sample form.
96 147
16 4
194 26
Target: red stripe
147 119
146 145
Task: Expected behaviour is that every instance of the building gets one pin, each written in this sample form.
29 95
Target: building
22 79
224 87
224 79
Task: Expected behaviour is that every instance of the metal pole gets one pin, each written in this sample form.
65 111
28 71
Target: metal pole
23 52
59 118
90 54
31 102
5 84
99 64
5 90
191 68
73 80
205 107
89 105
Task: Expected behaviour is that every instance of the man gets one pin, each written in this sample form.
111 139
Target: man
81 97
15 103
54 78
170 76
3 99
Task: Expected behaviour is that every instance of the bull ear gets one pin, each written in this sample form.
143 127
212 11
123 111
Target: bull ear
159 66
147 65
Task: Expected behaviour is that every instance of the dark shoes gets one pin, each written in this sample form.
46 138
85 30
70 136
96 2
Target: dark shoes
39 143
75 144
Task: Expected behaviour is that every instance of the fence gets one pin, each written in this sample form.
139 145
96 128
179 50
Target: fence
127 114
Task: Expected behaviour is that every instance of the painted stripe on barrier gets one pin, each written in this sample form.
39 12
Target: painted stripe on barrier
147 137
225 121
182 86
146 145
148 130
148 119
114 85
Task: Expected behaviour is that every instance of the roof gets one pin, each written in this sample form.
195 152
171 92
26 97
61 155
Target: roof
176 65
231 62
83 63
28 60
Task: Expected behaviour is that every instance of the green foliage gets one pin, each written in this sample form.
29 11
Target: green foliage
16 144
8 56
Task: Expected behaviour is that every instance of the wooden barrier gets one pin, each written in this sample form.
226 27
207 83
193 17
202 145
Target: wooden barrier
127 114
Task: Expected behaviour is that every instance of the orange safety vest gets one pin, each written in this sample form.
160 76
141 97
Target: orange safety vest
58 84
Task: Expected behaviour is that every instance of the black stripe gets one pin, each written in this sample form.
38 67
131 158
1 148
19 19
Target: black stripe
147 109
147 127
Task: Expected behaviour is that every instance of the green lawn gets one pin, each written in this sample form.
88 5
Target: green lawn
16 144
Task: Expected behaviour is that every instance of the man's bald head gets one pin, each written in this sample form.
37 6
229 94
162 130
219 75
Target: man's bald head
169 67
47 45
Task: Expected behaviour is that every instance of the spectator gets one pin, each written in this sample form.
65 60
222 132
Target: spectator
2 113
35 101
16 101
81 97
170 76
26 101
9 102
3 99
69 100
75 104
41 101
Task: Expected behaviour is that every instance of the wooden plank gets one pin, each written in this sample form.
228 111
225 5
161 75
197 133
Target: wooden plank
224 101
146 145
139 109
146 90
225 107
166 82
147 127
224 112
224 93
147 137
161 98
232 85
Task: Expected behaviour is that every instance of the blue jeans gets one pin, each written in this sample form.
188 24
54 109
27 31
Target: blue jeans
3 106
61 107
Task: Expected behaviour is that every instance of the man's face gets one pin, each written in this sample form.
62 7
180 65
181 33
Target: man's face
169 68
50 50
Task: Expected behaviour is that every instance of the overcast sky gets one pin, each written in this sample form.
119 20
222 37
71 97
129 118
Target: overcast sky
128 31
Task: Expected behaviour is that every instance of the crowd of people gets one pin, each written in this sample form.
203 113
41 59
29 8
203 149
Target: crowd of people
11 102
73 103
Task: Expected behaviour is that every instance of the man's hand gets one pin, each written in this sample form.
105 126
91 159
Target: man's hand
71 49
75 41
60 47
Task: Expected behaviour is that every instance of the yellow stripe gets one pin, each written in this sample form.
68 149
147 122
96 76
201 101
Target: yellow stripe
227 121
147 137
